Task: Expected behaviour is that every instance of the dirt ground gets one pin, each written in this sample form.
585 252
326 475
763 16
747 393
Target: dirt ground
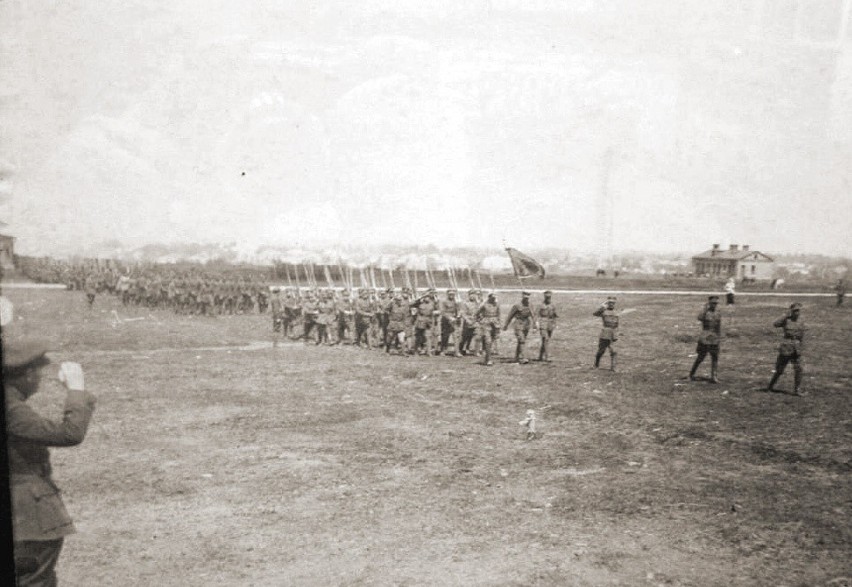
215 459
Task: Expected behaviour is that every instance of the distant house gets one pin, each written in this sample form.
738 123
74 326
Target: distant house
740 263
7 251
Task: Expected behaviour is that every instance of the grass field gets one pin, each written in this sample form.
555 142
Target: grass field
214 459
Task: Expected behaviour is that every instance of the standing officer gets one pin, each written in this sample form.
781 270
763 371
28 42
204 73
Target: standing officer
522 314
609 333
546 324
39 519
488 324
709 339
790 350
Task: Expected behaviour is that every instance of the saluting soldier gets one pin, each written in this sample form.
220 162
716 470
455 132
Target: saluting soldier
790 350
546 324
522 315
709 339
488 325
609 332
40 521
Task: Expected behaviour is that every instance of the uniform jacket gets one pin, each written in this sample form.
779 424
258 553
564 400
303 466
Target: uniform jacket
547 316
711 326
794 334
37 509
610 323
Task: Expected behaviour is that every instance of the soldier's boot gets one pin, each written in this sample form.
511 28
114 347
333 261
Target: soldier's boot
773 381
714 366
797 382
598 360
612 362
694 369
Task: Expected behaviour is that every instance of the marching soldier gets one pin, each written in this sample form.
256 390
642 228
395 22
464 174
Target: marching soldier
488 324
609 332
522 315
326 312
467 314
309 314
423 322
363 318
790 350
546 324
275 306
344 316
450 313
709 339
399 314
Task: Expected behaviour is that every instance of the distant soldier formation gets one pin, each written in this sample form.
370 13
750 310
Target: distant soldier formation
398 320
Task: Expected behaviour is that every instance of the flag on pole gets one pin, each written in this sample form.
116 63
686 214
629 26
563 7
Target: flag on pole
524 265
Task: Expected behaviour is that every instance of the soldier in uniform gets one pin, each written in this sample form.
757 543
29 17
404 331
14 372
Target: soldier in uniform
840 288
326 313
709 339
546 324
363 318
91 288
382 311
345 311
292 311
399 314
488 324
309 314
522 315
423 322
609 332
450 314
39 519
790 350
467 316
275 307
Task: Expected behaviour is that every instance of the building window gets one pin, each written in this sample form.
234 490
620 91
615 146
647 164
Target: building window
753 268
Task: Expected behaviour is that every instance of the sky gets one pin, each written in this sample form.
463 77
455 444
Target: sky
591 125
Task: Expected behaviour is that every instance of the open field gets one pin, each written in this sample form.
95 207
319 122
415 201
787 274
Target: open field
215 459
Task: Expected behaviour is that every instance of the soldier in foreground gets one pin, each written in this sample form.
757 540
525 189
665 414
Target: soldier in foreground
546 324
709 339
522 315
609 332
790 350
39 519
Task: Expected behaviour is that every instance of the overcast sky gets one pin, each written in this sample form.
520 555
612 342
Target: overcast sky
541 123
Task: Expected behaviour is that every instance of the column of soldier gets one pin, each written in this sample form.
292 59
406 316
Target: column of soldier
398 320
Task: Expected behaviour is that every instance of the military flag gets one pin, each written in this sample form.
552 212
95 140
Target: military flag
524 265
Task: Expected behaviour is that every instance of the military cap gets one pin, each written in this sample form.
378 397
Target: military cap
471 292
526 294
713 298
431 290
389 290
796 306
451 291
548 293
492 295
20 355
611 298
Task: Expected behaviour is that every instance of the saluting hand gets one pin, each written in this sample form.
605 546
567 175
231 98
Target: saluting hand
71 374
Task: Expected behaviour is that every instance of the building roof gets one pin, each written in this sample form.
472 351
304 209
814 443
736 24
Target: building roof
729 255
